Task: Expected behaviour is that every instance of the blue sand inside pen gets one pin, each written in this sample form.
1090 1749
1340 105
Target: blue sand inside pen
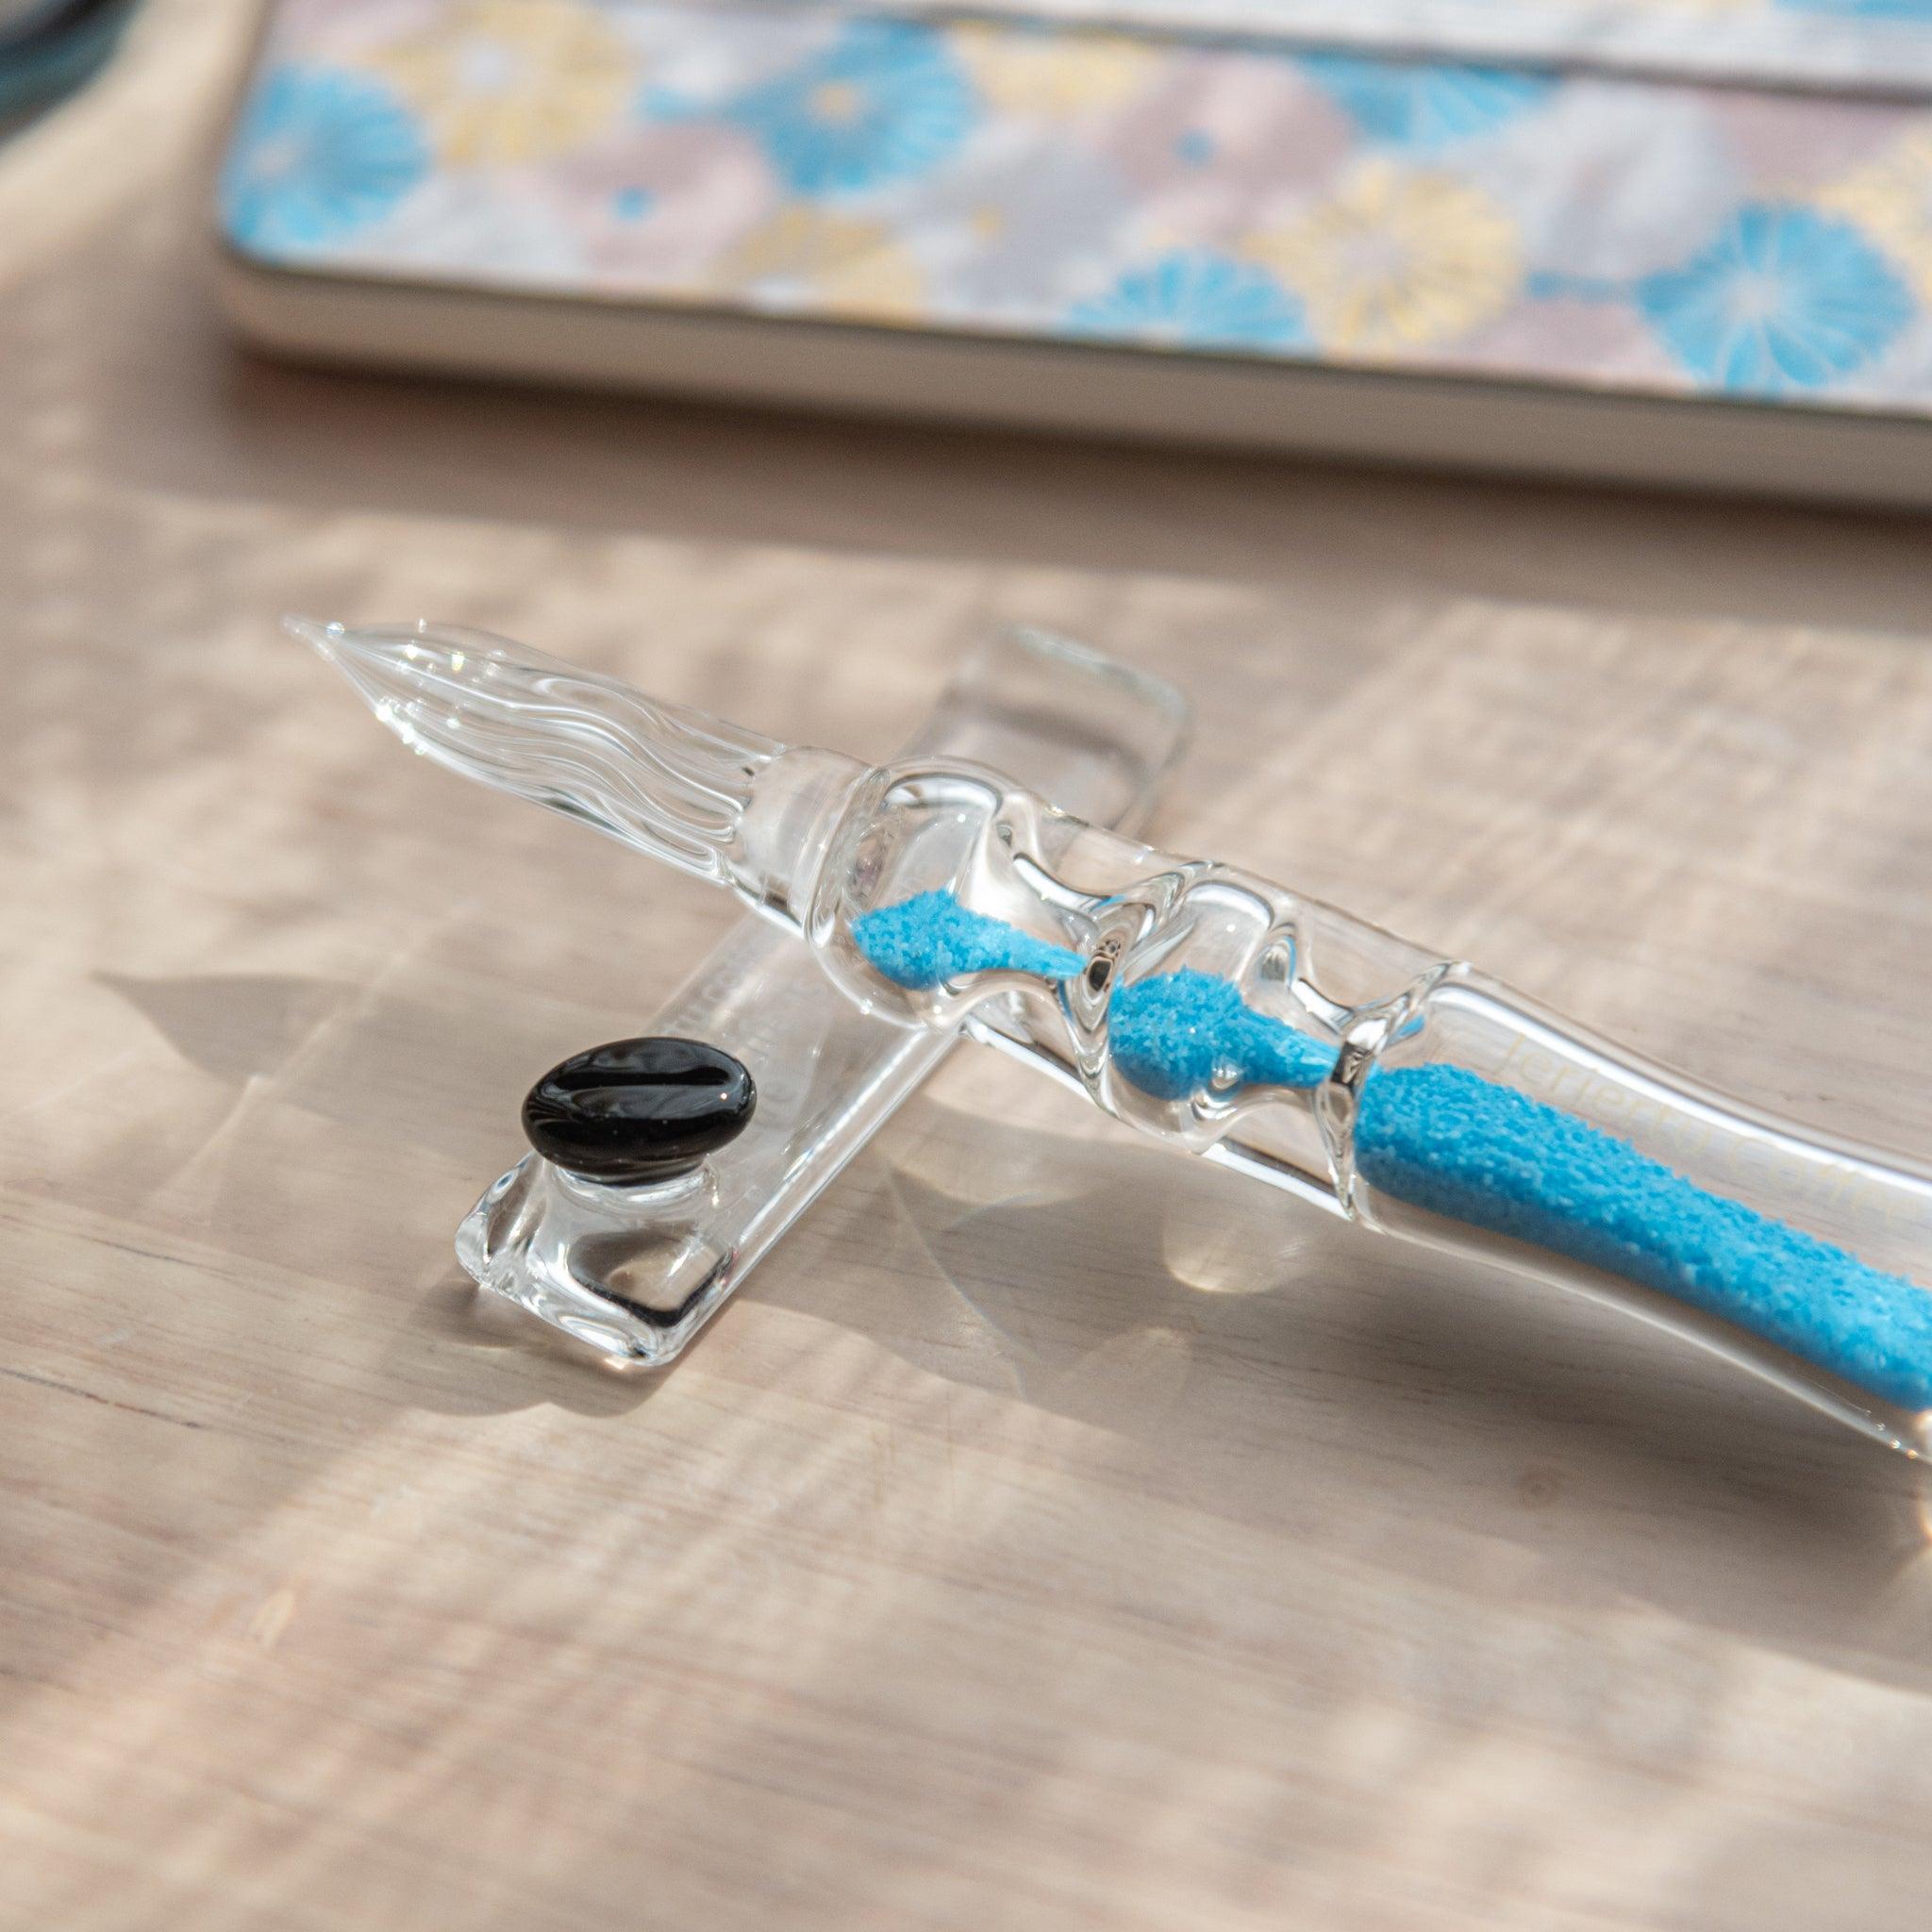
1476 1151
920 942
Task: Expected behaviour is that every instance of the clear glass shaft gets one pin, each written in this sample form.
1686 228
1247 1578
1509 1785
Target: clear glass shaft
1409 1092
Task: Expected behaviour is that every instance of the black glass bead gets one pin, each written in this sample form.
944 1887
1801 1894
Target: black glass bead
637 1112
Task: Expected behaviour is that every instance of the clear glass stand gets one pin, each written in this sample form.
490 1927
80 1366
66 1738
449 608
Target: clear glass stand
636 1272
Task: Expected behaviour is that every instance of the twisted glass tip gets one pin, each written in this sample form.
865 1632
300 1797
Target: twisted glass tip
668 781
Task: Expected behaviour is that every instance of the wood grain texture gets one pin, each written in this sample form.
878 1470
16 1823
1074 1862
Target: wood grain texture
1055 1533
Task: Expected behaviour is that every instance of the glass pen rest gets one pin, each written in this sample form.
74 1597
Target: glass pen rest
635 1274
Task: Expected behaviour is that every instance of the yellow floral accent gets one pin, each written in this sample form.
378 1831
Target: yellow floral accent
507 80
1052 74
853 266
1891 200
1397 258
837 101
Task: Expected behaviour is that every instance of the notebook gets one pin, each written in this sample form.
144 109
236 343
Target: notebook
1677 241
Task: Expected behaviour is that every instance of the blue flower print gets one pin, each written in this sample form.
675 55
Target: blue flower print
319 153
1195 299
884 102
1784 299
656 103
1421 107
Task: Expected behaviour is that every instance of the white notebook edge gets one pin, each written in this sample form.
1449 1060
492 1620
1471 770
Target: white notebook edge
1437 422
1810 50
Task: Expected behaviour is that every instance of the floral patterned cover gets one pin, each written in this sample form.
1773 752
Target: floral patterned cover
1005 178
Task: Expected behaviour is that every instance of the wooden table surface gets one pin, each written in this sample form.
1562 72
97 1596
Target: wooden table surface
1054 1532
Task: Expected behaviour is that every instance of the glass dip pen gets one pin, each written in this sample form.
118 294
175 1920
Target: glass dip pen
1271 1034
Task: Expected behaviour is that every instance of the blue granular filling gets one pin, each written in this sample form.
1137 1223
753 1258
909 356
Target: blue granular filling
920 942
1444 1138
1480 1152
1173 1034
